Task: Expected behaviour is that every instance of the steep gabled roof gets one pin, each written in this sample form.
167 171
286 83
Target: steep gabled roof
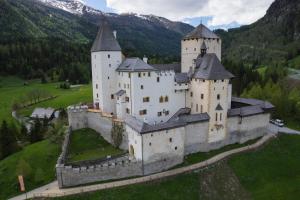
201 31
135 65
209 67
105 39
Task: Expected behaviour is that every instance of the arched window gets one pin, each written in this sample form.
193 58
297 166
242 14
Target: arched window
216 117
166 98
161 99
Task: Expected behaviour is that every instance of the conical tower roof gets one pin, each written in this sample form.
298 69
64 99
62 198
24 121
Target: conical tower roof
105 39
201 31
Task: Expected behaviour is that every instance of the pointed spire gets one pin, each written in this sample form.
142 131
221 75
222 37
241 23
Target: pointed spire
105 39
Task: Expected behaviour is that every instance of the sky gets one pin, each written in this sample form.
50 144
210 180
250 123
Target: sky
213 13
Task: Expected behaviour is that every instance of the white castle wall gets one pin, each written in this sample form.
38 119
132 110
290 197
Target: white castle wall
104 65
195 135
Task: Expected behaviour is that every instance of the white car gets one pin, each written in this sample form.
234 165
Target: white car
277 122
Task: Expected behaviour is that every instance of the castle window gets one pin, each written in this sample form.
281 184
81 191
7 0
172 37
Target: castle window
161 99
203 81
216 117
128 86
195 49
215 81
143 112
109 65
108 56
167 112
96 86
139 74
192 105
223 80
97 95
175 148
108 77
157 79
170 139
186 49
142 87
191 94
127 111
112 96
202 96
151 135
127 99
119 73
129 75
144 74
218 97
124 86
159 114
149 74
95 56
119 85
146 99
166 98
150 144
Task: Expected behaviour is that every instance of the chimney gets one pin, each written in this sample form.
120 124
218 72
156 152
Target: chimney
115 33
145 59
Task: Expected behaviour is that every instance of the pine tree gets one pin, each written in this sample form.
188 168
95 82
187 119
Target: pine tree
8 142
36 133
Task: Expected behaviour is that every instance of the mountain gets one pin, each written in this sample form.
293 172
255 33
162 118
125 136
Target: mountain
273 39
73 21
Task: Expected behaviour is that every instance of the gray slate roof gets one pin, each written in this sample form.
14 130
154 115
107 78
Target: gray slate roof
182 78
173 66
105 39
253 102
120 93
41 113
180 119
135 65
250 107
219 107
209 67
201 31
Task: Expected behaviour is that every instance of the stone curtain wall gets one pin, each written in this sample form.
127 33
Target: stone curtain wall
118 168
79 117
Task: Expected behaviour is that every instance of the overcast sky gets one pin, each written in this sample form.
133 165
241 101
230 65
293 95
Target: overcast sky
214 13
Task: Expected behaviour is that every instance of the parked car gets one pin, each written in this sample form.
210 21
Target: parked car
277 122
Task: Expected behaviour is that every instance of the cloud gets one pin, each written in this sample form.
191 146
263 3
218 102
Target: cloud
222 12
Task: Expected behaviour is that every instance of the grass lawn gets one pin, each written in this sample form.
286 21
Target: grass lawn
87 144
12 88
272 172
40 163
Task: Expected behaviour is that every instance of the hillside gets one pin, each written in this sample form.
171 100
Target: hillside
273 39
73 21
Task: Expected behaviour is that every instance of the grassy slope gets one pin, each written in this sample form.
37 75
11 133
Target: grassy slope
41 155
11 89
87 144
270 173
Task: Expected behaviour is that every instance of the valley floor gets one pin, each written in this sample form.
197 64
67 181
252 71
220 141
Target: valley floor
269 173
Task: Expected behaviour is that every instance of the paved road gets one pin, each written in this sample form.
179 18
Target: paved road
52 190
286 130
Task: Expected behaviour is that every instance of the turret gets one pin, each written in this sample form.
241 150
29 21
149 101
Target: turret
106 57
200 41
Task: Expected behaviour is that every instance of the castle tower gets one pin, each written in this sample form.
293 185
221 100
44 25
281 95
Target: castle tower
192 43
210 92
106 57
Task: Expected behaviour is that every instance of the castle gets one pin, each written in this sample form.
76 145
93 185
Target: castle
168 110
